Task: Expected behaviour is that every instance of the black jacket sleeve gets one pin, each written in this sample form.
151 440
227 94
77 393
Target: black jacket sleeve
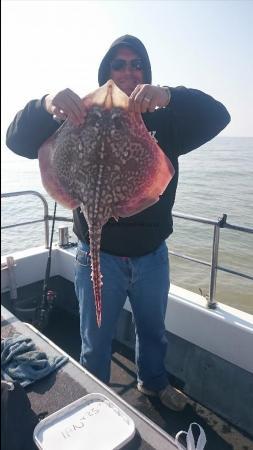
30 128
196 116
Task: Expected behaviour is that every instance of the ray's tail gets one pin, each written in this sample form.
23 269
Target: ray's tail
96 277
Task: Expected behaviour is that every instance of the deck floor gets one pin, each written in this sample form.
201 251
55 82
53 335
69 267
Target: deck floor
220 435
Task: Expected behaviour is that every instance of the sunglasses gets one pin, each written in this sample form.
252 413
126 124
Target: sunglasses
121 64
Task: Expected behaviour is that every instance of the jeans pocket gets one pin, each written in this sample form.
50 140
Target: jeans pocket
162 254
83 258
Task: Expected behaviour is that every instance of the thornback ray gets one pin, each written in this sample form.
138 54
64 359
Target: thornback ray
110 166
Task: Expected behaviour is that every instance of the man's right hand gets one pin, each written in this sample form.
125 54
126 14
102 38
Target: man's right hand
66 104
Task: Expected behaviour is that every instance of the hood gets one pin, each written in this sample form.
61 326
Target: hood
136 45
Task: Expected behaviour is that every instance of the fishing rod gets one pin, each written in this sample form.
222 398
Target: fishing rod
48 298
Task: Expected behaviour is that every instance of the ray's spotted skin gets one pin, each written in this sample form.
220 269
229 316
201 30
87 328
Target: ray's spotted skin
110 166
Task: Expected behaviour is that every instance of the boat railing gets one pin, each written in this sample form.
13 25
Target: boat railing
217 225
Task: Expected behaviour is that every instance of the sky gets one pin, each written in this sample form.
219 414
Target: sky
50 45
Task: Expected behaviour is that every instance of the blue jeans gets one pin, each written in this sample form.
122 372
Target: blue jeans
145 280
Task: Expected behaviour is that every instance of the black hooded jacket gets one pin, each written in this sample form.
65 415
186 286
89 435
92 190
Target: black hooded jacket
191 119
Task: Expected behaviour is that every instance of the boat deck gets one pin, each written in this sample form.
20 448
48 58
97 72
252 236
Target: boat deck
49 394
220 435
72 382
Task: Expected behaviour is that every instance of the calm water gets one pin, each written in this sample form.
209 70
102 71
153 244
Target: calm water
215 179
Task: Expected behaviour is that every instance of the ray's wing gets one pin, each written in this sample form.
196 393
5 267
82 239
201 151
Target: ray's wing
57 190
152 170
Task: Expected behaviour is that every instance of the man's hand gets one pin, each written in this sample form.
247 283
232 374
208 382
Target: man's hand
146 97
66 104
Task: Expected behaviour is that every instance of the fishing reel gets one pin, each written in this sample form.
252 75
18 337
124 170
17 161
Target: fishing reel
45 308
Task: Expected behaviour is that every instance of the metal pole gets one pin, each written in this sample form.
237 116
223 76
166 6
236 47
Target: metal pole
211 303
46 231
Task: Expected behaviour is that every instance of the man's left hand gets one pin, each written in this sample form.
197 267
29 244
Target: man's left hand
146 98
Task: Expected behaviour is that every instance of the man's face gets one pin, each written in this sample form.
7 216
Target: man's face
126 70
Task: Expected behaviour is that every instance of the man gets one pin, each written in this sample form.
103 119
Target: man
134 256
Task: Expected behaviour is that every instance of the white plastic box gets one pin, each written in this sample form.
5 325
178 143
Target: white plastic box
91 422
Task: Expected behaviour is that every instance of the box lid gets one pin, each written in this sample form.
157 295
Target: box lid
91 422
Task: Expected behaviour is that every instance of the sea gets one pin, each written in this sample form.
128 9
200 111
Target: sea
215 179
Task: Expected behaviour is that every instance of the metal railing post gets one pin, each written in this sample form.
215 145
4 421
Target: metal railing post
46 231
211 301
